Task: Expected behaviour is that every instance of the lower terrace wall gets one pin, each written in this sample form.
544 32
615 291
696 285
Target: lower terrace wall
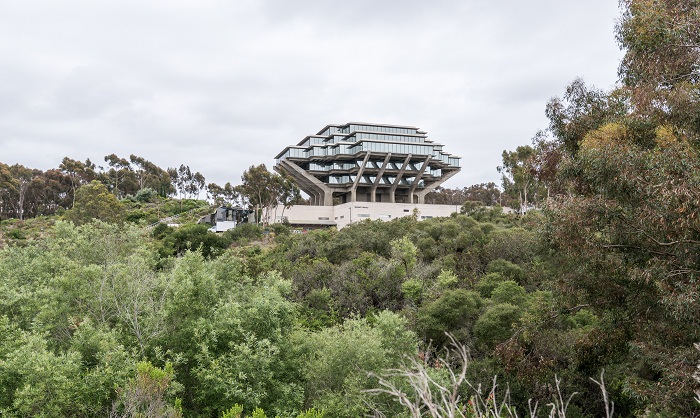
351 212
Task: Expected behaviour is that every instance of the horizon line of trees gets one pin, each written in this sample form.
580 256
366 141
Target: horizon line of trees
29 192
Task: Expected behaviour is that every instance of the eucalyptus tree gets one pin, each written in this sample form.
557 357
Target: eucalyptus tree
119 171
78 172
150 175
264 191
626 233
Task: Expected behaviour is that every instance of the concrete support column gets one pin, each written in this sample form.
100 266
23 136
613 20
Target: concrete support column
392 191
320 193
418 177
379 177
353 191
421 194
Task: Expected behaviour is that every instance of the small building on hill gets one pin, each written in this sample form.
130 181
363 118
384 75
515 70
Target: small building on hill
225 218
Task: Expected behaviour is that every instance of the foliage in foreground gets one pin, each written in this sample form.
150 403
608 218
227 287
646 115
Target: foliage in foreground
442 390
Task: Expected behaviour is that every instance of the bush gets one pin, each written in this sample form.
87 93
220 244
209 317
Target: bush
453 312
281 229
161 230
94 201
496 324
145 195
507 269
17 234
244 233
136 216
195 237
488 283
509 292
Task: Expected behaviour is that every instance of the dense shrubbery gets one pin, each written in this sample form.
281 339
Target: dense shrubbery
296 323
288 326
96 301
101 317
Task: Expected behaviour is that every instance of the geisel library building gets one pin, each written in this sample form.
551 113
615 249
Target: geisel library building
359 171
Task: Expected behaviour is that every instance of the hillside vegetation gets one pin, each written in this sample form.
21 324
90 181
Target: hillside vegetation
584 303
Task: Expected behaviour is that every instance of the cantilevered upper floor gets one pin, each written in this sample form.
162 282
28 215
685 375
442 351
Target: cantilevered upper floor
367 162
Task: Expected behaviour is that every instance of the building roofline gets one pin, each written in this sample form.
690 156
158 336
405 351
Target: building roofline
326 127
308 137
369 124
378 124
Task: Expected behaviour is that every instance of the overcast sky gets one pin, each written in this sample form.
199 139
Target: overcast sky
223 85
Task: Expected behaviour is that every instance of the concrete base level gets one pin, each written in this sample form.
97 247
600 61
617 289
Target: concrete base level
342 215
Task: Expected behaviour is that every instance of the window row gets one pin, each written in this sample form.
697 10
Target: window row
298 152
385 180
397 148
395 138
371 164
372 128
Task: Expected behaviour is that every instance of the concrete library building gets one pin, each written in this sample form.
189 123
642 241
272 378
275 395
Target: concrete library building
357 171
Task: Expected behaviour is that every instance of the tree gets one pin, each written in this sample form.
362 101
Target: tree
5 188
93 201
78 172
438 387
518 179
151 176
544 163
147 394
22 179
227 195
120 170
184 178
661 66
404 252
341 357
193 237
288 193
258 189
454 311
496 324
176 181
141 168
265 190
186 182
55 192
628 162
633 231
582 109
442 196
78 380
138 298
216 194
246 353
622 231
195 184
486 193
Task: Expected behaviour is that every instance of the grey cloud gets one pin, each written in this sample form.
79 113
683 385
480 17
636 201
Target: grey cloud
223 85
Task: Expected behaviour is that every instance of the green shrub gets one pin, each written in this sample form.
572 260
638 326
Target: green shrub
507 269
453 312
244 232
509 292
145 195
488 283
496 324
